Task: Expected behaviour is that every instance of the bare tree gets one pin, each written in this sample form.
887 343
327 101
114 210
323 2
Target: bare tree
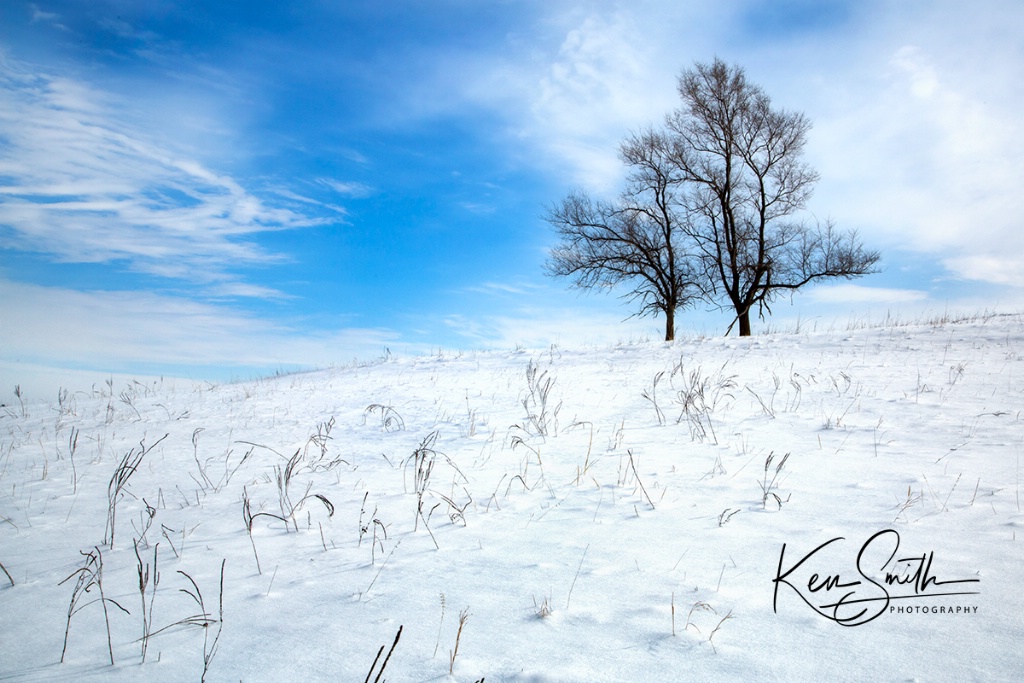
741 161
639 240
708 211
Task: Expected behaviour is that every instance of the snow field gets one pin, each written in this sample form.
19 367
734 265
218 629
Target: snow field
605 514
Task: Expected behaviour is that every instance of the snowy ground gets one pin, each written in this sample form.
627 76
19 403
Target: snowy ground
619 515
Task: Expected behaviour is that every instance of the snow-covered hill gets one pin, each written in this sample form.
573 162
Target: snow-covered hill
714 509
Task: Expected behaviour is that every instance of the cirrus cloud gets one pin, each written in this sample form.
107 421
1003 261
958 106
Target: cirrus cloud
82 185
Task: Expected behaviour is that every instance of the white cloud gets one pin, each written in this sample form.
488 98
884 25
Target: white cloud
347 188
924 82
41 15
577 86
918 136
505 288
118 330
597 87
247 290
859 294
81 184
994 268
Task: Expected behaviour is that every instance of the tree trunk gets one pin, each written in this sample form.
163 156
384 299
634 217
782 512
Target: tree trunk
670 323
744 318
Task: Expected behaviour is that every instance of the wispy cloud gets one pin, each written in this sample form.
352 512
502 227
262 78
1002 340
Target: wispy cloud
589 74
946 163
82 185
505 288
586 82
39 14
997 266
347 188
919 140
860 294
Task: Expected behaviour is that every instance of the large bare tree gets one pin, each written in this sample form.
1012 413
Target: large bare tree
741 161
710 210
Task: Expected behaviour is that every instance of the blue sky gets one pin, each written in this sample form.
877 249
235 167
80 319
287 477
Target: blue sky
226 189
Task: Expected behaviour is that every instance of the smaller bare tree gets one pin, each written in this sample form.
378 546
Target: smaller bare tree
637 240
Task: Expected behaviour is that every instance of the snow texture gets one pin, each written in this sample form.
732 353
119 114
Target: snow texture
611 514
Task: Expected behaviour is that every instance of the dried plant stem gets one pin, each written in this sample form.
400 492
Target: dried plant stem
72 447
439 626
6 573
119 481
384 665
710 637
463 616
204 619
637 475
208 653
578 568
89 575
147 573
382 564
248 517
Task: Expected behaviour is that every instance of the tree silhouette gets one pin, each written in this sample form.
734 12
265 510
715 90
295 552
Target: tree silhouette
708 212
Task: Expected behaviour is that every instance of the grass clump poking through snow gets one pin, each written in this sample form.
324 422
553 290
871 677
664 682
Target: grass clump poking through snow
248 517
284 477
21 399
119 483
390 420
209 622
206 484
379 530
699 396
541 415
769 481
422 461
210 648
89 576
652 396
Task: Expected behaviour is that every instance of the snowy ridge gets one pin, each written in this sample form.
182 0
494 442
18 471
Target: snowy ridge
609 514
